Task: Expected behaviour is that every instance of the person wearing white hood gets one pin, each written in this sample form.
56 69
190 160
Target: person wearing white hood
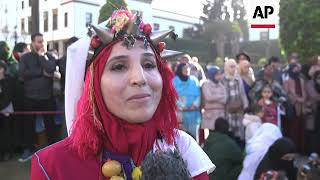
252 121
256 148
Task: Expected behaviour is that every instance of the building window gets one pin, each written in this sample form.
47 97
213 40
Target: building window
45 21
22 25
156 26
171 27
22 4
65 19
55 19
88 19
29 25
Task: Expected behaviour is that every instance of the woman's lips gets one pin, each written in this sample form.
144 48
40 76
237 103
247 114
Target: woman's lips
139 97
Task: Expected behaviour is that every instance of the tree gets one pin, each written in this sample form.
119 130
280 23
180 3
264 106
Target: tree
218 26
239 13
299 27
111 5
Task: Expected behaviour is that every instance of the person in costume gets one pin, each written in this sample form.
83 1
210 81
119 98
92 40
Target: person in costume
126 111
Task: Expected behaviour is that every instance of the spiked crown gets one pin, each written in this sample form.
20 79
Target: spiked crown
123 24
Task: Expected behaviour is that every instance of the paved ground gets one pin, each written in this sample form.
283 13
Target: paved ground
14 170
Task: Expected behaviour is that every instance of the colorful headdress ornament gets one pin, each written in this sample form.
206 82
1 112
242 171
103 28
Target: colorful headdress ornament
128 26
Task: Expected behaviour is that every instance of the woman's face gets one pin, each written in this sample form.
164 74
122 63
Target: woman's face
218 76
296 69
267 93
232 68
268 70
245 66
186 70
131 84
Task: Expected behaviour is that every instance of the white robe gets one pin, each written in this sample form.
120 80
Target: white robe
257 147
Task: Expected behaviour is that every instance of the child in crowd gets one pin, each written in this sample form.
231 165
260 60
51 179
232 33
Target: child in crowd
269 106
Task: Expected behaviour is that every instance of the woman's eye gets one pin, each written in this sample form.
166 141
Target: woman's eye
149 66
118 67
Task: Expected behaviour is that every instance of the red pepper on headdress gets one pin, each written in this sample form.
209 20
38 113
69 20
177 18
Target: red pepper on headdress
147 29
95 42
161 46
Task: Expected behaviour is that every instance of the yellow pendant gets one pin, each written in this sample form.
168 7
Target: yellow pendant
111 168
116 178
136 173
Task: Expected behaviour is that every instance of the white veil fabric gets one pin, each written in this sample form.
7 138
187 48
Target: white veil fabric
257 147
77 54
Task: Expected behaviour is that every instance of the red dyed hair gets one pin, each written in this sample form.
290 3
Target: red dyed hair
96 128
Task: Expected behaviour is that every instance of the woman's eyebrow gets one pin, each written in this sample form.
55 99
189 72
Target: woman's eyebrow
117 58
148 54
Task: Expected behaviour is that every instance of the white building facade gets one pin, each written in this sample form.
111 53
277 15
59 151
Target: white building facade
60 20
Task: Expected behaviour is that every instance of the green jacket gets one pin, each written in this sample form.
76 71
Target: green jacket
13 66
225 154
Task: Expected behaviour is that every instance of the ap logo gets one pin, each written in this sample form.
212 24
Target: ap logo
263 13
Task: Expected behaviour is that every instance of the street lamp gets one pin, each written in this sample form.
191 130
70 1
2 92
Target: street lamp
15 35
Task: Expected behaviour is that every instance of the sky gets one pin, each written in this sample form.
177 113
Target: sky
194 8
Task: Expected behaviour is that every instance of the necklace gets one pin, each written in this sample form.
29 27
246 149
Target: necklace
119 167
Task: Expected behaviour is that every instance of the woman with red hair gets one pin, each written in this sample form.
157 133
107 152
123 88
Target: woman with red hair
126 111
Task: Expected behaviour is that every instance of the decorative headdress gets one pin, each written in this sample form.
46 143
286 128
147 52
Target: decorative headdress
129 27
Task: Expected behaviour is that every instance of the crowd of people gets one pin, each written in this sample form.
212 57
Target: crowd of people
258 120
31 98
251 123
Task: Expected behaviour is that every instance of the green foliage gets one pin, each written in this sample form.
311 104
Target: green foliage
217 19
219 62
262 62
107 9
299 27
206 51
194 47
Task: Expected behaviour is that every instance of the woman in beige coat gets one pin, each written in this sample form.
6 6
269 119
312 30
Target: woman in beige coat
214 98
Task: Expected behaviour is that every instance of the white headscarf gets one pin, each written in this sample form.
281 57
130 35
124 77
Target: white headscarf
77 54
257 147
252 124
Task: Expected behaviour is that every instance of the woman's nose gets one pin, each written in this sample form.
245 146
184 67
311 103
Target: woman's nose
137 76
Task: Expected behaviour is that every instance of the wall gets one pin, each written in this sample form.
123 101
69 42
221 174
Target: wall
179 21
